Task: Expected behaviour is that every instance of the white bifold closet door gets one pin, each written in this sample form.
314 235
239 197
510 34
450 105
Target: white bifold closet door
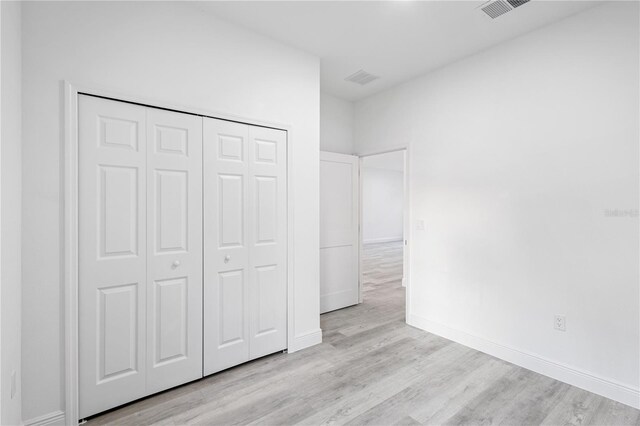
245 257
140 251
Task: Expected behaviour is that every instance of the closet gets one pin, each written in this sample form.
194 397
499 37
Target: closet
182 248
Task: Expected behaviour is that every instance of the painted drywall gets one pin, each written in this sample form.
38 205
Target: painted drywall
519 158
10 212
336 124
169 52
382 180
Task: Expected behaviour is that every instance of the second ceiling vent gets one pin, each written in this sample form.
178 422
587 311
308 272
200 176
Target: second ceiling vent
362 77
498 8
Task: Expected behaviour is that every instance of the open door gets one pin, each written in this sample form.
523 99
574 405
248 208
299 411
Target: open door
339 231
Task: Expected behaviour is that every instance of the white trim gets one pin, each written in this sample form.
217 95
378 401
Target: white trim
386 169
337 157
305 340
71 92
608 388
382 240
2 379
70 266
384 151
53 418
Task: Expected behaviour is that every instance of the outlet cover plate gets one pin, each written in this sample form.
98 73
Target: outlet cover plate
560 323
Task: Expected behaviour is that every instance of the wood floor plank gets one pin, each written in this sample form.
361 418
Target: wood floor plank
431 382
407 421
578 407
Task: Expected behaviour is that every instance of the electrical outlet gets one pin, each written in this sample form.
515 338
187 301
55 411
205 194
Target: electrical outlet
13 384
560 323
420 225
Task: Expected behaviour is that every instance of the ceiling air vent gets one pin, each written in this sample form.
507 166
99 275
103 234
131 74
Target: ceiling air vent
361 77
498 8
517 3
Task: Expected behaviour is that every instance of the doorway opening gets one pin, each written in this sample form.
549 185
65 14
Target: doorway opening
363 241
383 226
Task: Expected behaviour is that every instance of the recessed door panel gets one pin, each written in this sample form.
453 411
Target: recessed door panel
337 200
118 208
172 210
266 151
117 329
171 140
112 253
268 302
118 132
231 210
171 324
231 308
266 209
174 267
230 147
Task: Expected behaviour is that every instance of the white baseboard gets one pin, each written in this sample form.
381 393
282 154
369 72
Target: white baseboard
608 388
381 240
305 340
50 419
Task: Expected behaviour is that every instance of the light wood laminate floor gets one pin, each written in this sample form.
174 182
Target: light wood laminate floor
374 369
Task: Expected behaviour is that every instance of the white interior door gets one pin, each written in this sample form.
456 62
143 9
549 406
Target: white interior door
245 272
140 271
112 253
174 252
339 231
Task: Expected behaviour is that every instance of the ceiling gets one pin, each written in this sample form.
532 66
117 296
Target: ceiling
396 40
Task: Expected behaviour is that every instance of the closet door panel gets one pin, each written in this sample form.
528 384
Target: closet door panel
226 227
268 241
112 253
174 229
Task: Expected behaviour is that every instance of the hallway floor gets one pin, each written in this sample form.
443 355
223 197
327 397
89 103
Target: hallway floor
372 368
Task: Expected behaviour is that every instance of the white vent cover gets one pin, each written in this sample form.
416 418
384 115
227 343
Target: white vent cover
362 77
517 3
498 8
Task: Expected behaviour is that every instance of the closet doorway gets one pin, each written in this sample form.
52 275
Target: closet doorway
177 260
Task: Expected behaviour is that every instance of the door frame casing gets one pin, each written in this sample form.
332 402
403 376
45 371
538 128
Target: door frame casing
70 221
406 223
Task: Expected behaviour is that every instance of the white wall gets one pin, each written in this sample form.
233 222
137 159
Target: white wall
515 155
381 205
11 211
174 53
382 180
336 124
